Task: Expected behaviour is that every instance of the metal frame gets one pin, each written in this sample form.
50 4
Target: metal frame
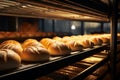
70 7
38 69
113 42
89 70
72 58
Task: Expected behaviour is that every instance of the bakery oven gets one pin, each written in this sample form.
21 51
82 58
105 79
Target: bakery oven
58 40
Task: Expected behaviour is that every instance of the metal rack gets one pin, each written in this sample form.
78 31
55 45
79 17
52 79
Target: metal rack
55 9
37 69
47 9
90 69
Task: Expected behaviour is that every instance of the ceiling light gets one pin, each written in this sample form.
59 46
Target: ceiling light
73 27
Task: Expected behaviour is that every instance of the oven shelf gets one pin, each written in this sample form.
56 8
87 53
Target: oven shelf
31 71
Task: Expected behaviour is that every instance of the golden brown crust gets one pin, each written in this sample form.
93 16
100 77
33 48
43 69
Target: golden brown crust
58 48
86 43
74 45
96 41
57 38
105 40
65 39
34 51
46 42
13 45
30 42
9 59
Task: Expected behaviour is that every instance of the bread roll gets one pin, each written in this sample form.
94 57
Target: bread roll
74 45
13 45
46 42
10 35
96 41
34 52
86 43
2 35
65 39
58 48
57 38
55 48
9 59
31 42
105 40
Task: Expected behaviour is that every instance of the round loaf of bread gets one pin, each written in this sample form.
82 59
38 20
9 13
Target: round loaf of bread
57 38
58 49
86 43
96 41
74 45
13 45
34 51
105 40
9 59
65 39
31 42
46 42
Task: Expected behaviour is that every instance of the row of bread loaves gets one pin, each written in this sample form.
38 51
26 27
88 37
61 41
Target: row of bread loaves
12 53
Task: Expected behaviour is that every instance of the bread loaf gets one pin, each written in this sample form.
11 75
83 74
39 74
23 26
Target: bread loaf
55 48
34 52
86 43
65 39
74 45
31 42
105 40
46 42
9 59
96 41
58 48
57 38
13 45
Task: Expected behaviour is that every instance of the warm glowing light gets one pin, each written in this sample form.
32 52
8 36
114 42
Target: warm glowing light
73 27
23 6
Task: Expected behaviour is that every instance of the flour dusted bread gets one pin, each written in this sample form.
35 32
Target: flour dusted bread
13 45
9 59
34 51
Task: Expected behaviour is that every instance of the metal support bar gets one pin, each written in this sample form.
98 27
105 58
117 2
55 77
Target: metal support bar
43 25
101 28
82 28
113 42
89 70
53 24
17 24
